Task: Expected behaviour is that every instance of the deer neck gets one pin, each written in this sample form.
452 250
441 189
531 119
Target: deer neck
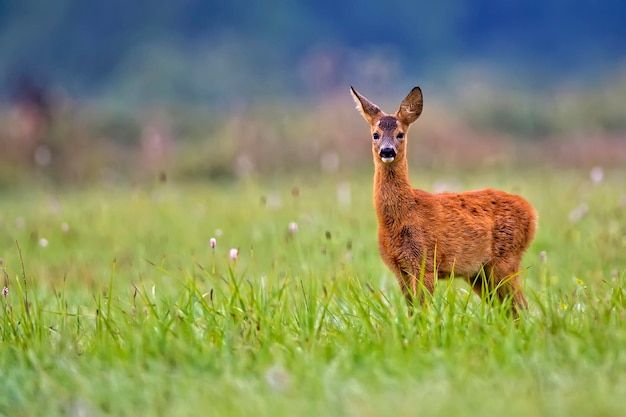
393 194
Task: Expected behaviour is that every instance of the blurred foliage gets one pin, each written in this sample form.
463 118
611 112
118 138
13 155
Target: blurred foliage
93 90
534 115
483 125
225 52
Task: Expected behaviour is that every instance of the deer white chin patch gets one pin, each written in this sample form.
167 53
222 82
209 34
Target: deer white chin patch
387 160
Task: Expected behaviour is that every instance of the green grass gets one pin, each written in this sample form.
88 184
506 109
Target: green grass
130 312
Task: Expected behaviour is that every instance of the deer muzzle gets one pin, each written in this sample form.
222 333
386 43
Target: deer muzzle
387 155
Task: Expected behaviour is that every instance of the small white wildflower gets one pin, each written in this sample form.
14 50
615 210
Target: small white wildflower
543 256
440 187
274 201
277 378
42 156
344 194
293 227
244 166
234 253
596 174
330 162
578 213
43 242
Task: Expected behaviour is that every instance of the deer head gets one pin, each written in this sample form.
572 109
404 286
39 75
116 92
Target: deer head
389 131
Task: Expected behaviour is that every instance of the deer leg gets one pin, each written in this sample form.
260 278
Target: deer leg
480 285
419 282
502 281
414 285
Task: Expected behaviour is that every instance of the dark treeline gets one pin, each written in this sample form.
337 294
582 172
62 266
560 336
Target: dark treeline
212 50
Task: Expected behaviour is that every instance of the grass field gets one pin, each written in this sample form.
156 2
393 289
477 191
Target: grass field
117 305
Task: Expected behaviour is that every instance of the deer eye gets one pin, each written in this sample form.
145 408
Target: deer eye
400 135
376 136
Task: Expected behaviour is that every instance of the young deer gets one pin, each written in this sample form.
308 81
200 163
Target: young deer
479 235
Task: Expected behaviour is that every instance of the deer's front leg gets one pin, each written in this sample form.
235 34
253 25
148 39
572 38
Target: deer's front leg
414 285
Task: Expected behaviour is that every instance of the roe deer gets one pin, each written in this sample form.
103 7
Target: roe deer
479 235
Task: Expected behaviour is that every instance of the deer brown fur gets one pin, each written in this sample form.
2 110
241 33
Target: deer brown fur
480 236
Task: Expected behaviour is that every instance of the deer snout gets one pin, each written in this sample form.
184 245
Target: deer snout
387 154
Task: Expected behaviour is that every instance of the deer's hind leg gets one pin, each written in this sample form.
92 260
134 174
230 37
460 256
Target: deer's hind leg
501 280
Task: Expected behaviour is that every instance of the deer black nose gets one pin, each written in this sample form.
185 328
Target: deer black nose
387 153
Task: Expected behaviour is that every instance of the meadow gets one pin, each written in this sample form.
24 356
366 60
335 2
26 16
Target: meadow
115 303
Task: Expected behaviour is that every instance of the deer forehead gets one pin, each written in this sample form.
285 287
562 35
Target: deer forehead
387 124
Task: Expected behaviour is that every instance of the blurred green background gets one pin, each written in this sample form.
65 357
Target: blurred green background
134 91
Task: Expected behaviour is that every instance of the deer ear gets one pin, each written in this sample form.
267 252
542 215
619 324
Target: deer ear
369 110
411 107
